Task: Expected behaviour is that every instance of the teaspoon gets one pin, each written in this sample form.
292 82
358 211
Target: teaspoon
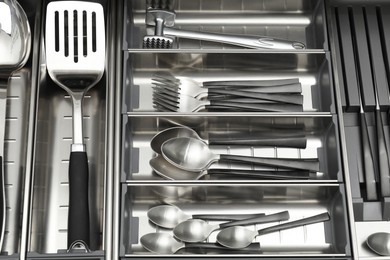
240 237
164 243
198 230
169 216
379 243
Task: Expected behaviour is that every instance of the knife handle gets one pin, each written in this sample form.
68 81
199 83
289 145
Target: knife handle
78 217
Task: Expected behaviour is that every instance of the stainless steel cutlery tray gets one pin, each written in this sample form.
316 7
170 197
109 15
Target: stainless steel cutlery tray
326 239
320 132
293 20
312 70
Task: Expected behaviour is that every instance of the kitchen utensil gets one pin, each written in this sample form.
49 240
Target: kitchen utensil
368 160
189 87
170 79
198 230
170 172
379 243
285 94
190 104
194 155
162 20
15 46
75 53
169 216
240 237
181 131
164 243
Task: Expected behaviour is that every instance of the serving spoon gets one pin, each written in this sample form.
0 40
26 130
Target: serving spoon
164 243
169 216
240 237
379 243
15 47
198 230
194 155
291 141
168 171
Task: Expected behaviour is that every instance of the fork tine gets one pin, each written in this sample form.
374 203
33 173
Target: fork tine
168 91
166 98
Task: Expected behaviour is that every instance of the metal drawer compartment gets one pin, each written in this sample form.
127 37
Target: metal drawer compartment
326 239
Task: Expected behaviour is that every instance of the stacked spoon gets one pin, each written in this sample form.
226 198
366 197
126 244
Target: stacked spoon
183 155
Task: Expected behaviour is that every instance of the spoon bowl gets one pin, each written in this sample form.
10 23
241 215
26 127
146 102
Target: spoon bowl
379 243
239 237
197 230
164 243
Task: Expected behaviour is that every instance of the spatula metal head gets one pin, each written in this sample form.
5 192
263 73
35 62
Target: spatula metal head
75 44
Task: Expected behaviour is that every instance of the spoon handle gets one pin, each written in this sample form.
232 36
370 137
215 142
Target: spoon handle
255 247
226 217
297 223
291 99
250 106
288 163
281 216
263 174
288 141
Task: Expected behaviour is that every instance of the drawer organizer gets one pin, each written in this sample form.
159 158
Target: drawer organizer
343 80
145 70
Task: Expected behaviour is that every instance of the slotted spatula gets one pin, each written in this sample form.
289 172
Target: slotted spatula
75 53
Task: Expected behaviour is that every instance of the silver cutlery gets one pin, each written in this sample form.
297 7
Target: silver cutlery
75 53
379 243
15 46
194 155
164 19
169 216
168 171
240 237
198 230
293 141
164 243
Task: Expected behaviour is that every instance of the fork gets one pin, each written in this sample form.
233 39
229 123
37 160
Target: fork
190 104
186 86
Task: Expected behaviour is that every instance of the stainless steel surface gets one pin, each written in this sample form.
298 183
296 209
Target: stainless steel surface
301 201
15 158
379 243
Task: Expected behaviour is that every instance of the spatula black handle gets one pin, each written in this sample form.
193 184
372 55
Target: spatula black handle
78 218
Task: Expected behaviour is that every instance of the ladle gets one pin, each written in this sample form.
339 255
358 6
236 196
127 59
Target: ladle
169 216
240 237
198 230
164 243
15 46
379 243
292 141
168 171
194 155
